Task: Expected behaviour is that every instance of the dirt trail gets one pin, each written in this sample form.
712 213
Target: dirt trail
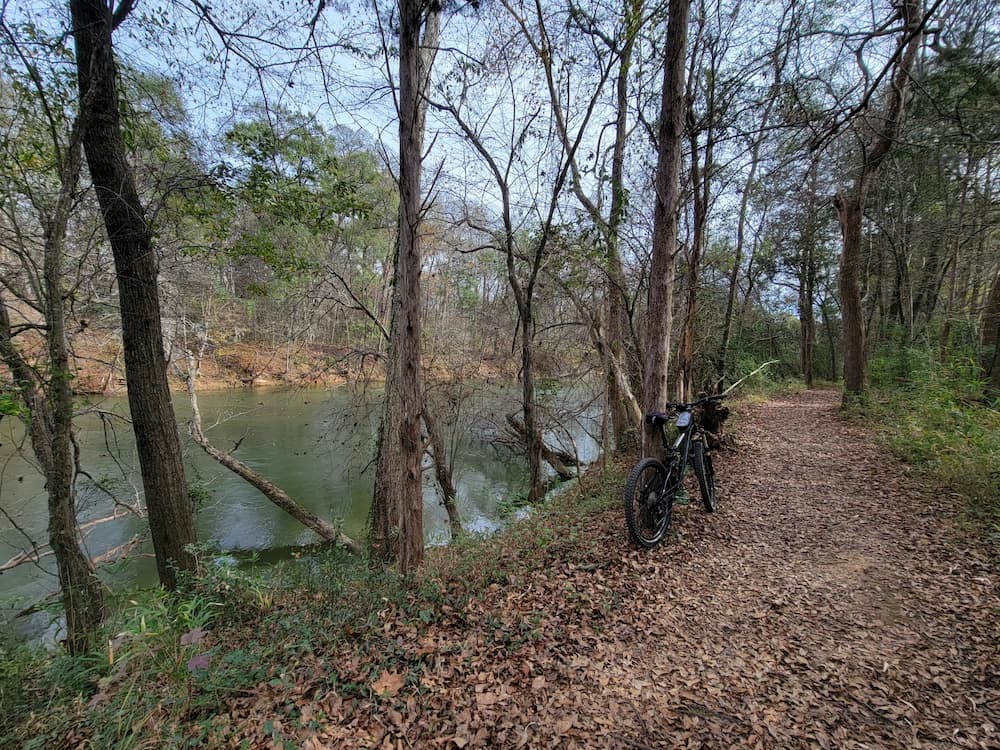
826 604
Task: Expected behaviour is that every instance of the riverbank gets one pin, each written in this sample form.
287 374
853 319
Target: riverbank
98 366
829 602
317 444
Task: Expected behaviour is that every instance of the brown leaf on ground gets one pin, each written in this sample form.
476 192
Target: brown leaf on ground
830 602
388 684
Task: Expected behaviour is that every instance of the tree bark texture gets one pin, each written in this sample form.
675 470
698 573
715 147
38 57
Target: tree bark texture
661 273
397 528
850 204
701 194
49 406
991 340
620 355
171 518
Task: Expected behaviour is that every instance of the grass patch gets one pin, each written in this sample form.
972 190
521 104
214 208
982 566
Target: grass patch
932 416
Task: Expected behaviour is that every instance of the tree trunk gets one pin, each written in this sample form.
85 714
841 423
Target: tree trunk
827 324
49 405
397 524
984 247
442 471
778 60
613 337
171 519
269 489
807 320
949 309
700 186
661 272
533 430
991 340
50 425
850 204
615 368
524 292
621 399
83 599
722 363
849 211
807 282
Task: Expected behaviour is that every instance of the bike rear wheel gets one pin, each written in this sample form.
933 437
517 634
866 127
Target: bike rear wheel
647 505
706 475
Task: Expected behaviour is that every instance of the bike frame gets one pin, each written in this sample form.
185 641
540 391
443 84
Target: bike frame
676 454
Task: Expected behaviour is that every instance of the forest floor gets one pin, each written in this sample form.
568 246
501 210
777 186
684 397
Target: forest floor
830 602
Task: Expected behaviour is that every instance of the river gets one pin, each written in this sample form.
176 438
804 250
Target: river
316 444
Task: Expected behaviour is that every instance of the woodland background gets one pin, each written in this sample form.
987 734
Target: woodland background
652 198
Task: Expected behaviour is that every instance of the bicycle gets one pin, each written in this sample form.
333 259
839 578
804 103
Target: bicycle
653 485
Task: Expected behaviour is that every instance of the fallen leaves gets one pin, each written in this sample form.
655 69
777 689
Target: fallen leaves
388 684
822 606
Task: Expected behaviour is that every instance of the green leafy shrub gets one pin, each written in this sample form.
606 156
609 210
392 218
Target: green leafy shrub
933 417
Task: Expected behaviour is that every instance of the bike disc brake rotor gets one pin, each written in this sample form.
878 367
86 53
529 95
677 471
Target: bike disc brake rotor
652 509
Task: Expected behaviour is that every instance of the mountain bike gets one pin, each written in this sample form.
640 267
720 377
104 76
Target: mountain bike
653 485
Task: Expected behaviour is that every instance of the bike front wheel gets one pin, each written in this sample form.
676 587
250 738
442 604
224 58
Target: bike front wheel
706 475
647 505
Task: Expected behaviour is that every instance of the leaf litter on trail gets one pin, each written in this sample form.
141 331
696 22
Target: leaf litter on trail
821 606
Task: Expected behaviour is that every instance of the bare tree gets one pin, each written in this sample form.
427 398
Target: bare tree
777 61
610 328
990 339
661 272
47 399
171 516
877 139
397 527
807 271
708 50
526 241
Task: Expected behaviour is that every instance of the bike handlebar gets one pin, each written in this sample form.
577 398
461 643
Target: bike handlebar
682 406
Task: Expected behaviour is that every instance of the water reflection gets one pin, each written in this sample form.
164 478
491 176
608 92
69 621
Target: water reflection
317 445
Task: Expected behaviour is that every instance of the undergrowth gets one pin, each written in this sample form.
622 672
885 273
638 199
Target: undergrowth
933 416
773 381
167 663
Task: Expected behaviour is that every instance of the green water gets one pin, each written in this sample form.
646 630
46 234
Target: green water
316 444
